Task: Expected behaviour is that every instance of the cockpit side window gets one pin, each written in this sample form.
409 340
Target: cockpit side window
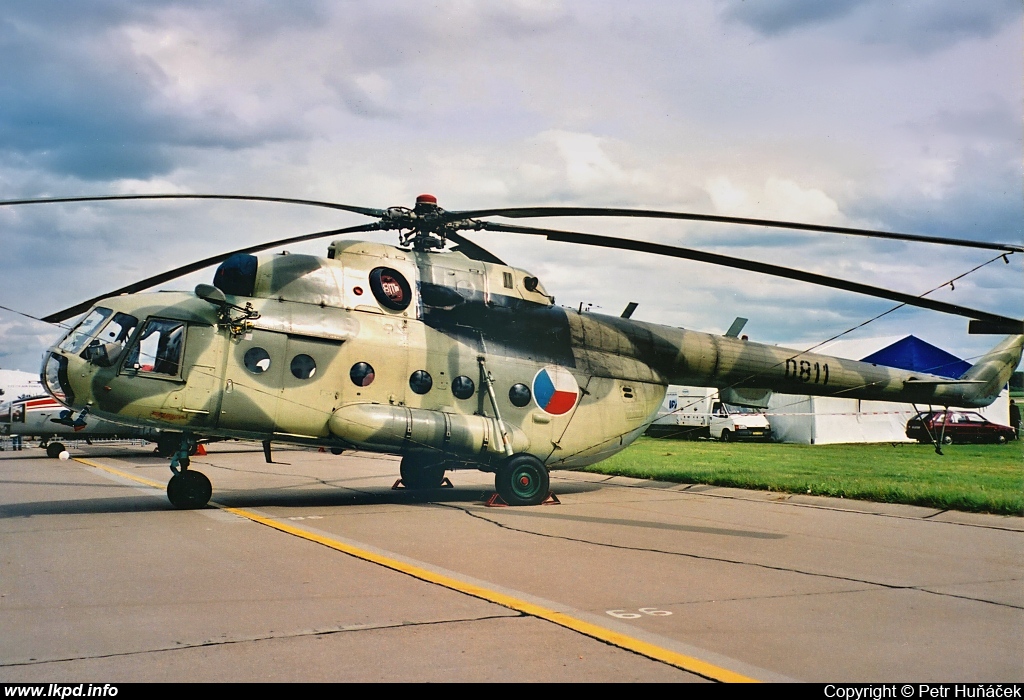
106 348
158 348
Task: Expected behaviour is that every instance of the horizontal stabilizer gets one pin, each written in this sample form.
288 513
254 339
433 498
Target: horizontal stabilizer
745 396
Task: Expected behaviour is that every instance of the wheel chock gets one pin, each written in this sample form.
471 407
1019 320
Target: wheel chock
496 501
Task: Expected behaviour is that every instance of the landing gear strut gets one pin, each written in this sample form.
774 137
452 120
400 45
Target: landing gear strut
187 489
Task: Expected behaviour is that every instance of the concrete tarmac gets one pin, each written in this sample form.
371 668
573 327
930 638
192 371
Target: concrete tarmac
314 569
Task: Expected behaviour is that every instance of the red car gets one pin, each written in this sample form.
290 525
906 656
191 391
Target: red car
957 426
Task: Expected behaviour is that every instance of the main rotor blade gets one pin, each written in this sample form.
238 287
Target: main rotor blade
472 250
71 311
106 198
531 212
753 266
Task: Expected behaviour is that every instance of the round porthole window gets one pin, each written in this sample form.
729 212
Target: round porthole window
463 387
420 381
391 288
519 395
303 367
361 374
256 360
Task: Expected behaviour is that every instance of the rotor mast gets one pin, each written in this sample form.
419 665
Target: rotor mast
426 226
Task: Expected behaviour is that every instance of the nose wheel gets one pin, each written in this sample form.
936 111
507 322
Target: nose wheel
187 489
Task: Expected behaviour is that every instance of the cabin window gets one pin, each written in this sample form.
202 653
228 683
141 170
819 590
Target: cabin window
421 381
519 395
463 387
303 367
158 348
256 360
507 280
361 374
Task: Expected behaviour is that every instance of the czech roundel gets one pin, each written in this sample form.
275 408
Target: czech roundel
555 390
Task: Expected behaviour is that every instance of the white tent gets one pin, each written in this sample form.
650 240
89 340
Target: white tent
822 420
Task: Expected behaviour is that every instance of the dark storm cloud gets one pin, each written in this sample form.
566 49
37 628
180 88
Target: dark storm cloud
75 99
920 26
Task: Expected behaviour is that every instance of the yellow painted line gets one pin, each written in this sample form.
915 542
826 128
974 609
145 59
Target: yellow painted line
686 663
118 472
623 641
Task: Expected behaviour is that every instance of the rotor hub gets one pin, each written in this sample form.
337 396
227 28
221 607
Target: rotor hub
426 226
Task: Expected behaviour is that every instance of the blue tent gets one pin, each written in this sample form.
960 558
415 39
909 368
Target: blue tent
912 353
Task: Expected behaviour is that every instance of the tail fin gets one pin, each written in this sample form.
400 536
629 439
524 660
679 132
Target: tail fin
993 371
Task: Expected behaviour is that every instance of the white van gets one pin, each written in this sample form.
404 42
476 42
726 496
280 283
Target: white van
694 412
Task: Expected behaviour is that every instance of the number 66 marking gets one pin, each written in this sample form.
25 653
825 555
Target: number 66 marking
623 615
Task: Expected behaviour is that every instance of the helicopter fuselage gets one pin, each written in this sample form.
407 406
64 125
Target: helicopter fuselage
404 351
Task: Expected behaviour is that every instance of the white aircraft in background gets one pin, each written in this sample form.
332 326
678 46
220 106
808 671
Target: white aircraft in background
16 385
43 417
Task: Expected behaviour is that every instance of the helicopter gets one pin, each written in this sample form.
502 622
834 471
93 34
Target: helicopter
439 351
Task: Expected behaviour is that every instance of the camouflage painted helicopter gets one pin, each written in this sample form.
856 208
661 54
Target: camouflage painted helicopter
450 358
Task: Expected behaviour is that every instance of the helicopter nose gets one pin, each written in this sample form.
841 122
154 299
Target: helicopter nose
55 378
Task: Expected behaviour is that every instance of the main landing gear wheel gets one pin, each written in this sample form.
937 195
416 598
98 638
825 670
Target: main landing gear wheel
522 481
421 472
188 490
54 449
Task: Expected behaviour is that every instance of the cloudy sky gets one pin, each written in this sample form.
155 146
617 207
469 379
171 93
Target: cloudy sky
901 116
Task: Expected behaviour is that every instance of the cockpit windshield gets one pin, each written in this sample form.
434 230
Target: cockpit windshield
81 334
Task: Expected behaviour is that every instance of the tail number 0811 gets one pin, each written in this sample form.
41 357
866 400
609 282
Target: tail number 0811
805 371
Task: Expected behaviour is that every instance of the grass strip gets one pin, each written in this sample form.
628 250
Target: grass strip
975 478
